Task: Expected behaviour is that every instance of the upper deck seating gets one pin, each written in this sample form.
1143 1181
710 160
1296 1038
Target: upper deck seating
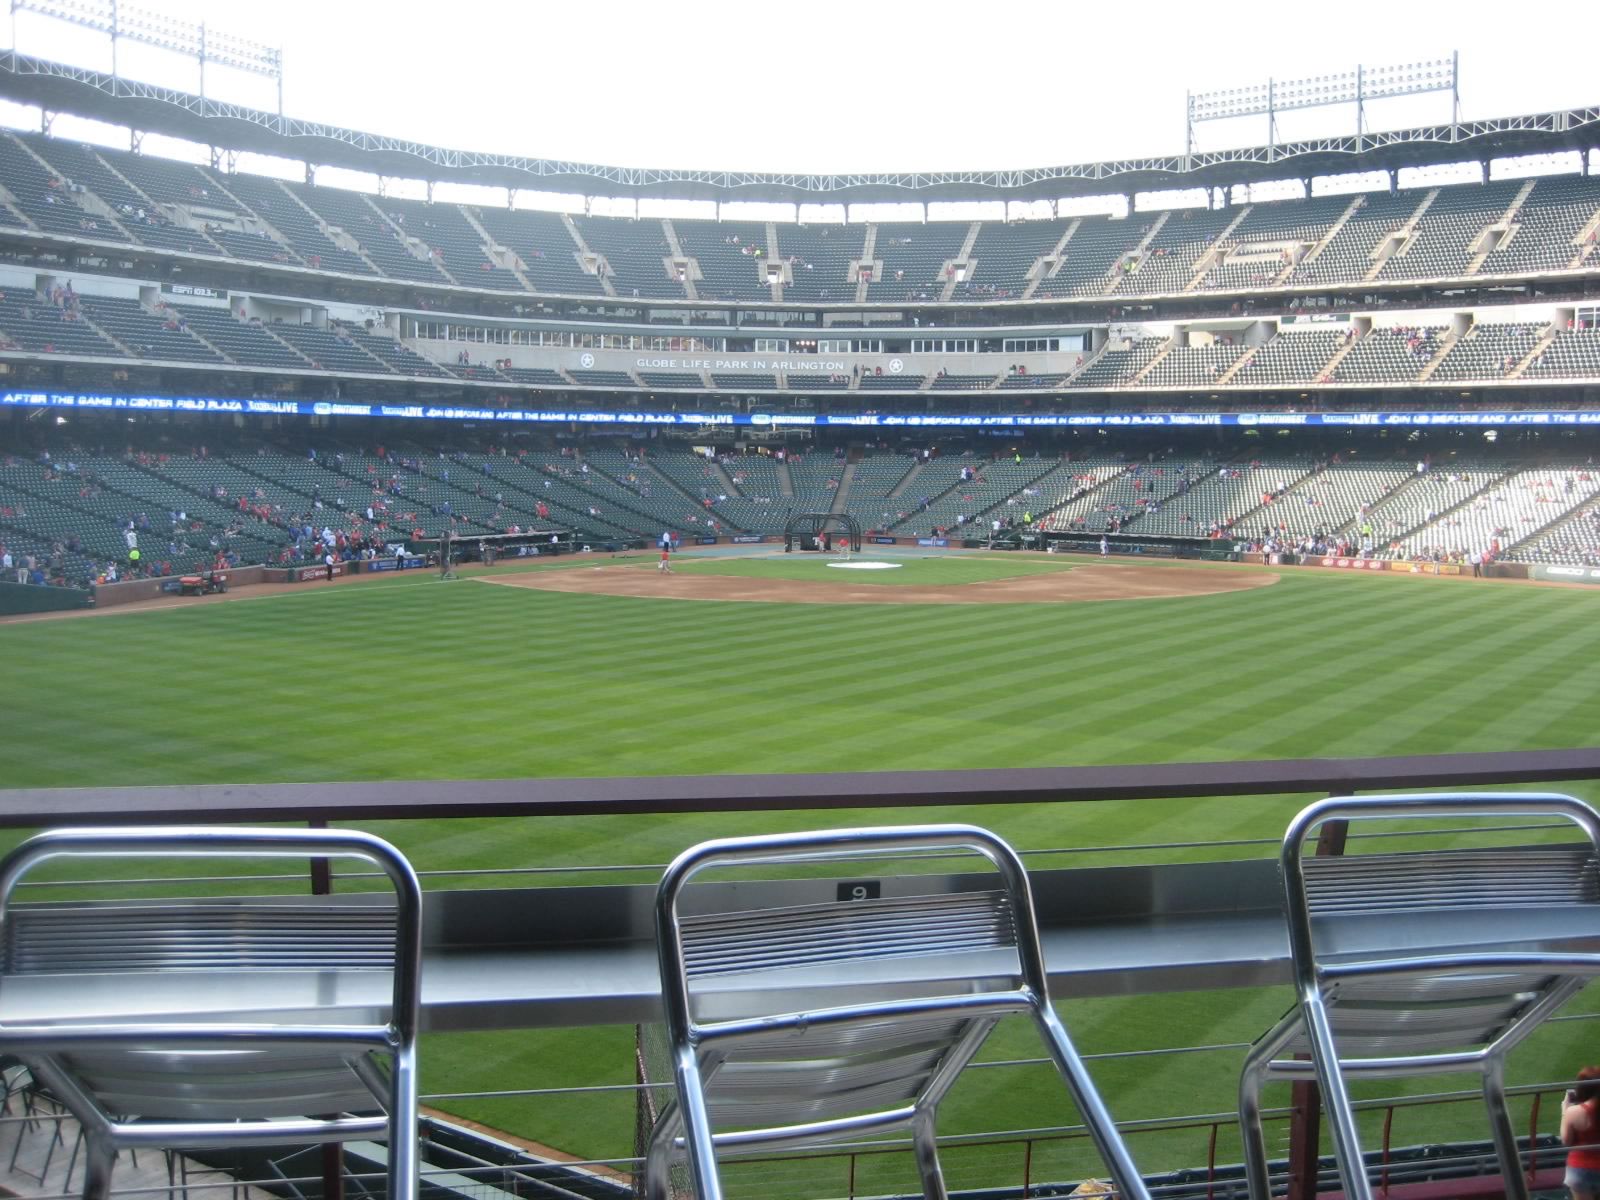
83 166
45 199
549 255
270 201
378 238
1445 237
1099 244
1173 256
638 253
1490 350
1544 229
821 256
1291 357
1348 256
1271 237
1003 255
913 258
730 268
454 244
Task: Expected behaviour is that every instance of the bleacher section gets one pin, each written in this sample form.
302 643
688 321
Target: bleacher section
378 239
1004 254
1389 354
1193 366
1575 354
1331 499
819 259
145 334
638 253
1090 254
1445 236
548 254
1199 507
874 478
43 199
1349 255
972 505
913 258
1292 357
1272 237
1574 542
730 266
1510 511
1117 367
1488 351
42 326
274 205
1173 256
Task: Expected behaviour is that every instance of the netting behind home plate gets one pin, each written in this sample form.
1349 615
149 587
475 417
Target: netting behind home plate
821 531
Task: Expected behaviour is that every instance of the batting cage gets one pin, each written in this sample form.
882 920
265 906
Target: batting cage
828 532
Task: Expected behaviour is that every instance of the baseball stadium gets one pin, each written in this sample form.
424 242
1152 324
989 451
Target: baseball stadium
759 698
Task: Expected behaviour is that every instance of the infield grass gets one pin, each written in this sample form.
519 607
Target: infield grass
414 678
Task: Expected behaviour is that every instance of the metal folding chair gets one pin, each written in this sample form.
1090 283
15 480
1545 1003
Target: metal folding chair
839 1009
1424 962
197 1082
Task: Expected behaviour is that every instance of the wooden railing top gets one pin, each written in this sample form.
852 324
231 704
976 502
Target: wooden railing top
432 799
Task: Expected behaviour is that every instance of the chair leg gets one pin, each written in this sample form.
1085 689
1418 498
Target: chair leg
1336 1100
658 1155
1257 1174
99 1158
1512 1178
1096 1117
698 1141
924 1135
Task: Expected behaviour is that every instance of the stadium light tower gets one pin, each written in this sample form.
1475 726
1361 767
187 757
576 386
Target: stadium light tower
121 21
1357 87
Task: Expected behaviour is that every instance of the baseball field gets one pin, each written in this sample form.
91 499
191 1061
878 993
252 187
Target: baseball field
771 664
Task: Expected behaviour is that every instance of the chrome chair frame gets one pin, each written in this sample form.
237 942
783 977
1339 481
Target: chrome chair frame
1515 988
699 1049
46 1047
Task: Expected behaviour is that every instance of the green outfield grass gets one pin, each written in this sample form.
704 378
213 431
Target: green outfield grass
415 678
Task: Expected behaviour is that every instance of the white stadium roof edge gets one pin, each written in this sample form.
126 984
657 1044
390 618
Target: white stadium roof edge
60 87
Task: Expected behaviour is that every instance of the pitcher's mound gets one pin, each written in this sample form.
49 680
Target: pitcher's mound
1092 582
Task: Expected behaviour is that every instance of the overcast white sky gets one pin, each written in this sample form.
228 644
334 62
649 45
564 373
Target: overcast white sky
846 85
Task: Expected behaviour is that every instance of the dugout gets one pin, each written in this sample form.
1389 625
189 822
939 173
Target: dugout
821 531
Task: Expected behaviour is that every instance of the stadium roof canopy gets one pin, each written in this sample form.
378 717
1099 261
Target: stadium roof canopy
58 87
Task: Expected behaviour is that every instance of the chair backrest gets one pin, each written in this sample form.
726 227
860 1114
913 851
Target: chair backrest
136 1065
822 981
1459 950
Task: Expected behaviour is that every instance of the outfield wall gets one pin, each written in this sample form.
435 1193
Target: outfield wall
18 598
134 590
